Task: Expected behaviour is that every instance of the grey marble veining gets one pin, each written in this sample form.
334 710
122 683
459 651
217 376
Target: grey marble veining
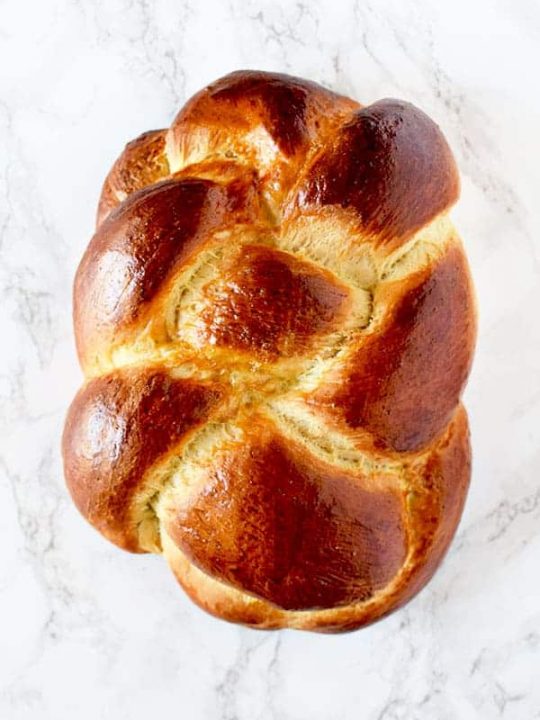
89 632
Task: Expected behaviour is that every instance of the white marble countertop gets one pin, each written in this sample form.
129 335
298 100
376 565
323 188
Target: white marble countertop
88 632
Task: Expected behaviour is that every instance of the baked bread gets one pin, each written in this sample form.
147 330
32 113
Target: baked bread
275 320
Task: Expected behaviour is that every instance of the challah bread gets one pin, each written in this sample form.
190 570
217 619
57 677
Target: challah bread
275 320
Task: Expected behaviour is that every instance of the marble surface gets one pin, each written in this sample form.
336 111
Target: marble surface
89 632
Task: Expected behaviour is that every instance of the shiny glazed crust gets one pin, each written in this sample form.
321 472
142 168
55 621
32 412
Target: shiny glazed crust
276 321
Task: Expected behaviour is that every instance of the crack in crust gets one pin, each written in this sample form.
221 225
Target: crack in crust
242 268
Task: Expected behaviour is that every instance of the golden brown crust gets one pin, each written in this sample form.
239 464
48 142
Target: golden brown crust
274 521
403 381
290 109
143 162
264 119
390 165
437 503
271 304
276 322
133 253
117 427
217 598
434 503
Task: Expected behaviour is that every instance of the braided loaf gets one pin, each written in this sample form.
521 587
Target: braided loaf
275 320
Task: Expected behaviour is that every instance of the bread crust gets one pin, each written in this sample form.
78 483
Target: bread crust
276 321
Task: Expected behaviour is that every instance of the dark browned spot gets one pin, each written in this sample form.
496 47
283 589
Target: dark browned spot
270 303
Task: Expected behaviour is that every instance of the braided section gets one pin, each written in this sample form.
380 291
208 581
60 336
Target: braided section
275 320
